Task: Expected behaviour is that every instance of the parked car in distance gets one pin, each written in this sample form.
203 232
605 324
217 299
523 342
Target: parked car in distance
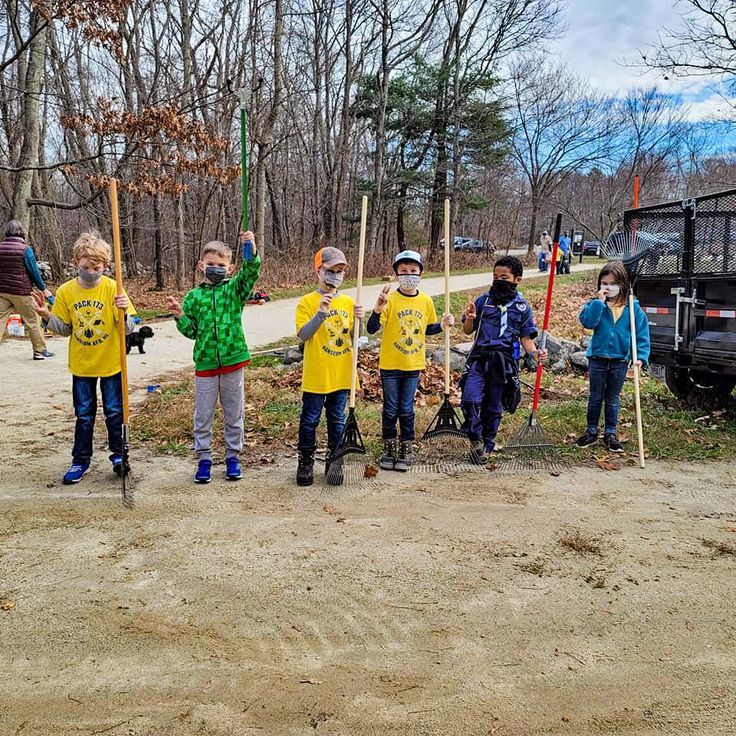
590 248
460 243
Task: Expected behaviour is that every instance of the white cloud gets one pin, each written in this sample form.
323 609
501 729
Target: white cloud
604 42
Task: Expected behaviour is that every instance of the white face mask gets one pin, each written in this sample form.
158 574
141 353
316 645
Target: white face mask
409 281
332 279
612 291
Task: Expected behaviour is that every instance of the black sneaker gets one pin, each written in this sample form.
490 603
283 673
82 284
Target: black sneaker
305 470
586 440
612 444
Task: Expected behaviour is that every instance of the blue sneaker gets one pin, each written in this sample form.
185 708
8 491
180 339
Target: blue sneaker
42 355
232 468
203 474
75 473
117 463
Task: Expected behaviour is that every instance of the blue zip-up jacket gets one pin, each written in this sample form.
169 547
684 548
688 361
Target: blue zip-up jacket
613 339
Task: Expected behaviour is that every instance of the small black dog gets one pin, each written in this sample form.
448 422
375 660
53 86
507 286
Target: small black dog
136 339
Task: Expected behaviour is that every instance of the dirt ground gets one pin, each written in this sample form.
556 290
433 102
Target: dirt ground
587 603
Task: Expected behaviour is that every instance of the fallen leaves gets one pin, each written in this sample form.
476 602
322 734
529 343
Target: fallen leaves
6 604
371 471
606 463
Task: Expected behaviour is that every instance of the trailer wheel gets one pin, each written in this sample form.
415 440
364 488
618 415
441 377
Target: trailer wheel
700 388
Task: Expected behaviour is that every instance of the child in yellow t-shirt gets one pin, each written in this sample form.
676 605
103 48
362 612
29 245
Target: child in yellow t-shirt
324 324
86 311
407 315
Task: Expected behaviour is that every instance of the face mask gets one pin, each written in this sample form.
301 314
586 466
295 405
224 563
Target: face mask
503 290
332 279
612 291
215 274
89 278
409 281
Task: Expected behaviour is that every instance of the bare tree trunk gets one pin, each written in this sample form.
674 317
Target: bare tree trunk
31 124
158 256
180 241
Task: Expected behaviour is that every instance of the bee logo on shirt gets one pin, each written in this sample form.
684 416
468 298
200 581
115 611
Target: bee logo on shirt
90 327
411 337
339 339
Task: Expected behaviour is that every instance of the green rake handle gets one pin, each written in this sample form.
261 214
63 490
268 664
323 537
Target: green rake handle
545 324
358 293
248 249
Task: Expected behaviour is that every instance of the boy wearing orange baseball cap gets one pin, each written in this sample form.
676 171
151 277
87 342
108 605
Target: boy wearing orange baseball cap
324 324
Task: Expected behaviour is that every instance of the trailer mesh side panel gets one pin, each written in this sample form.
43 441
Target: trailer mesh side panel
714 241
664 228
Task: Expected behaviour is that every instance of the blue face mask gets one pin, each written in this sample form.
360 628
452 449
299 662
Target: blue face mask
89 278
215 274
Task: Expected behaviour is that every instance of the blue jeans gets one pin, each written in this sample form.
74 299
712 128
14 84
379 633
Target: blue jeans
84 394
482 407
334 404
399 389
607 376
542 261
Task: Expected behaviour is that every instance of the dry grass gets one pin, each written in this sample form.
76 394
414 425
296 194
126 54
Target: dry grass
583 544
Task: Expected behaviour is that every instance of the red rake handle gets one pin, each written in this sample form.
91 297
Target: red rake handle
547 310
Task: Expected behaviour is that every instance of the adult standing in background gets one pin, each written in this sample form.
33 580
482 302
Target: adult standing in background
563 262
18 275
545 250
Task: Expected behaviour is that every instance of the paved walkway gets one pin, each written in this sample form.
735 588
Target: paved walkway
46 383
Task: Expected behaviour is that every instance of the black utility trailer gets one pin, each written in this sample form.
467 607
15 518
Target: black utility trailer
687 287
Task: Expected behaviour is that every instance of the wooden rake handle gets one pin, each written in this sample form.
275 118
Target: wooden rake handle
122 317
358 296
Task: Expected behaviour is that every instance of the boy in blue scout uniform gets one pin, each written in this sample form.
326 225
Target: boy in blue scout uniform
502 321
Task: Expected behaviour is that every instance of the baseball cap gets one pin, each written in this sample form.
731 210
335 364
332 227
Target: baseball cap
408 256
329 257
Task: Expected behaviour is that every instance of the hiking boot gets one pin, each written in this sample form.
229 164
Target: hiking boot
75 473
305 469
403 461
117 463
204 472
232 468
478 454
337 476
612 444
586 440
388 459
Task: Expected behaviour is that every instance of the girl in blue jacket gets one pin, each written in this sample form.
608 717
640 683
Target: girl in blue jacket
609 351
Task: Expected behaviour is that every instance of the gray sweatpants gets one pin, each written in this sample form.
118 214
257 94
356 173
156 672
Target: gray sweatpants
229 387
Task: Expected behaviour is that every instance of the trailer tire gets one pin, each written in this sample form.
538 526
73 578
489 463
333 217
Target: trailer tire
700 388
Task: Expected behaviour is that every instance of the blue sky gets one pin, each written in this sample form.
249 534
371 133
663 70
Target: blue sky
603 35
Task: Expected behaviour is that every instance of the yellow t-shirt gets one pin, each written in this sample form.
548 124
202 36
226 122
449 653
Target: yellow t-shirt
405 320
617 310
94 345
328 354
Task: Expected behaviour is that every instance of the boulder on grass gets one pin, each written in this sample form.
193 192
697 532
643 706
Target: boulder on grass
457 360
292 355
579 361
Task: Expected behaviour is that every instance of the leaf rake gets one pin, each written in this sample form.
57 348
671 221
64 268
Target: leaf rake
445 446
530 451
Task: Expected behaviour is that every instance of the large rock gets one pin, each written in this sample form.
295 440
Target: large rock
292 355
559 348
463 347
559 366
457 360
584 342
579 361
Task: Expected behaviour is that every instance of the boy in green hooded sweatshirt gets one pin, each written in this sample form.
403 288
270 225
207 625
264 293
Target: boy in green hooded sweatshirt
211 315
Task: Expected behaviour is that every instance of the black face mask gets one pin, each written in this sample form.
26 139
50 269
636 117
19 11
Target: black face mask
215 274
503 291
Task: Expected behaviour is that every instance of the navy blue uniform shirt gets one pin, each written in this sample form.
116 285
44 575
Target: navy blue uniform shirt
500 327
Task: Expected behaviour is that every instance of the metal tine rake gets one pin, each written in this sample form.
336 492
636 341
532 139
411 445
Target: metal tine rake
128 492
349 465
530 451
445 446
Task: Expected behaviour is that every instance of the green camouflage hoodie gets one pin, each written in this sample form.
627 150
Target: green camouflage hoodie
213 318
